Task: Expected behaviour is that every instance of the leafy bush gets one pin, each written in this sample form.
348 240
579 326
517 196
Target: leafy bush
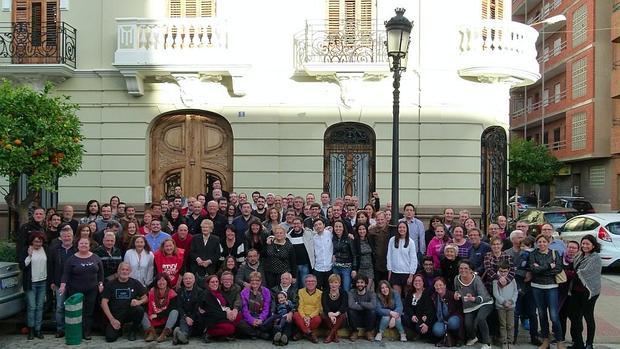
7 252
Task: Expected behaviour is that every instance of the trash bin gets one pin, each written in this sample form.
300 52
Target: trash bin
73 319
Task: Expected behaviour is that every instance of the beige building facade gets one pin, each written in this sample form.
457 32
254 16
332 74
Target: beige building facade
276 96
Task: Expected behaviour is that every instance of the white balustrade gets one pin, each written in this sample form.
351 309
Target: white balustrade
170 40
499 51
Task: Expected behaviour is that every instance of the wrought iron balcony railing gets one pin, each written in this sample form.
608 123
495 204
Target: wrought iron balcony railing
21 43
345 42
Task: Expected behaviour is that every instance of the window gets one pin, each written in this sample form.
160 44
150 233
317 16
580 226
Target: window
597 176
557 93
556 138
557 46
350 18
492 9
545 97
580 82
40 17
349 160
578 141
191 8
580 23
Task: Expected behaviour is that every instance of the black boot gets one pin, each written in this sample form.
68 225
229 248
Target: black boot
30 333
38 334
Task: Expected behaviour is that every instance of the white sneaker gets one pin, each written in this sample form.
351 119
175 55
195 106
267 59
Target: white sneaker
486 346
378 337
472 341
403 337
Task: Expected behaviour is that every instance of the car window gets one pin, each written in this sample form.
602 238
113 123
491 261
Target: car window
581 205
574 224
590 224
530 216
558 217
614 228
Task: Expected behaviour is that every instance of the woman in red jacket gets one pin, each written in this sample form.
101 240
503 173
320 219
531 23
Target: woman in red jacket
169 260
161 310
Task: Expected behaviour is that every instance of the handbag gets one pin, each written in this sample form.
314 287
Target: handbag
560 277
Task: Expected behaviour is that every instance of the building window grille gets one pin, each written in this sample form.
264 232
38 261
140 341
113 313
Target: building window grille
579 75
580 23
578 141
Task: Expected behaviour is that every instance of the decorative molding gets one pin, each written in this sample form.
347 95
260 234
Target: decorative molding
134 81
36 75
191 91
350 85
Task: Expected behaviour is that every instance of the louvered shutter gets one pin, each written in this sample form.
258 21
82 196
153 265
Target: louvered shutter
333 17
51 23
207 8
20 11
174 8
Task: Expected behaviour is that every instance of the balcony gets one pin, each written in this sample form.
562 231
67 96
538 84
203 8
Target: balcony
497 51
48 51
327 48
554 105
195 47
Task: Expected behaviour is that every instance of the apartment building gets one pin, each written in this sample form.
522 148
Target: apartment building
571 109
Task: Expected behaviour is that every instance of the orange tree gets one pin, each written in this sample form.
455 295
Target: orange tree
40 138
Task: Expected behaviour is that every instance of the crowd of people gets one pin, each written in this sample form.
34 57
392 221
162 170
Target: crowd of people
220 266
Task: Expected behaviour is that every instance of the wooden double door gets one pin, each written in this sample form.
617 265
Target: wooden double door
190 150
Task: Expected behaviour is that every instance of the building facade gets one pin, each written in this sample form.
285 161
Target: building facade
571 109
277 96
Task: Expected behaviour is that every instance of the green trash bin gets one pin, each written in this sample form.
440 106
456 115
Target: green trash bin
73 319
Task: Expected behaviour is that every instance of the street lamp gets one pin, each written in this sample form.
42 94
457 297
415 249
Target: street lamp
398 30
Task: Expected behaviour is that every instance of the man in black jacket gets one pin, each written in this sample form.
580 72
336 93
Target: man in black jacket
219 221
55 266
190 321
204 252
37 223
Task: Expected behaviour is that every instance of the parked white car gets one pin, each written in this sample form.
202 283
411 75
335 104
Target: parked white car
604 226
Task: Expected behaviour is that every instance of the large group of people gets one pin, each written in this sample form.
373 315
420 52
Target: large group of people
280 268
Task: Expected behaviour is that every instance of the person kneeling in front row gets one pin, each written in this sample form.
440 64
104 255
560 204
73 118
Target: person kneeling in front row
121 302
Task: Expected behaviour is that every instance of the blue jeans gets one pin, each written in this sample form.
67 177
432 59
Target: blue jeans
526 309
302 271
547 300
345 275
35 298
453 325
384 322
60 311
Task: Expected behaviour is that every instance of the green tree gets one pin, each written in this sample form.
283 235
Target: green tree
40 137
531 163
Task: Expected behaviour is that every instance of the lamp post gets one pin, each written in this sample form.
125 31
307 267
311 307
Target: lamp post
398 30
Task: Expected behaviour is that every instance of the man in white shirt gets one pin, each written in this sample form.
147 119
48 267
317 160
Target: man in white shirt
323 253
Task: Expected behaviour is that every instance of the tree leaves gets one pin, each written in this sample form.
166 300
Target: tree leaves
40 135
531 163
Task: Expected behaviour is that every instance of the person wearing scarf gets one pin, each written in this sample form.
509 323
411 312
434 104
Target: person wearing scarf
564 295
585 289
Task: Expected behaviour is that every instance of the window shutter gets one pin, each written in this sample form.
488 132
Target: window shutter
366 16
51 23
492 9
20 11
207 8
190 9
333 17
174 8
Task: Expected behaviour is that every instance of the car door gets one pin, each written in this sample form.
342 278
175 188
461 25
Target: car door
571 229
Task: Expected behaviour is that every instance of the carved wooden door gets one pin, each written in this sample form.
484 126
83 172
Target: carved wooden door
191 151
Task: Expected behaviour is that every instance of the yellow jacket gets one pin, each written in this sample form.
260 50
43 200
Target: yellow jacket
309 304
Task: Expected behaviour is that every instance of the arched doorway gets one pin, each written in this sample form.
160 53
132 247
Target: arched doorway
493 175
190 149
349 160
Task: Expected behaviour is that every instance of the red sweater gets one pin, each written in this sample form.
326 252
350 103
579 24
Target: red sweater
170 265
184 244
163 309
